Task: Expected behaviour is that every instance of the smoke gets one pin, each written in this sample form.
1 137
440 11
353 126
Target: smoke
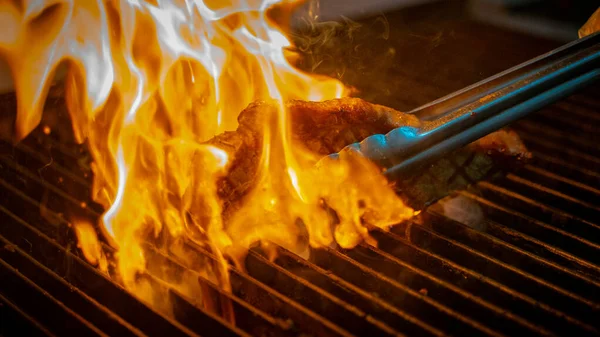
357 53
462 209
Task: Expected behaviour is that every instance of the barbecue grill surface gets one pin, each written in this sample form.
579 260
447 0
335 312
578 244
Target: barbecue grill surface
531 268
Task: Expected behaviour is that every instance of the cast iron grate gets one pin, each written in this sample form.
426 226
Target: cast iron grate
533 268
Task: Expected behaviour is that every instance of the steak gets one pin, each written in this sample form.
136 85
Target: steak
327 127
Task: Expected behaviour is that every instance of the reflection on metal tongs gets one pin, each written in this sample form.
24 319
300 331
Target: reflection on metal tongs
471 113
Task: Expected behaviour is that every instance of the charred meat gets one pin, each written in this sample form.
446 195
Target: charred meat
327 127
324 128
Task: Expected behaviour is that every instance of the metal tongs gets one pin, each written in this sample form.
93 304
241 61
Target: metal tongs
460 118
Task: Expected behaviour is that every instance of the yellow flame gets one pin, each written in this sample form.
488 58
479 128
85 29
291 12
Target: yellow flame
89 244
148 83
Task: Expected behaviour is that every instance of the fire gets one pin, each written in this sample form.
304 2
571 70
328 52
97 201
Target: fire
148 82
89 244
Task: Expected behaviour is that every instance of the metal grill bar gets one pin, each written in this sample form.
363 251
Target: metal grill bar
534 269
533 208
86 278
72 298
443 291
34 299
247 317
20 321
398 294
480 285
553 148
265 298
503 251
584 209
558 183
367 301
567 169
541 290
543 240
327 305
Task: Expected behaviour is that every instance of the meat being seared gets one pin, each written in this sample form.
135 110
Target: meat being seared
327 127
324 128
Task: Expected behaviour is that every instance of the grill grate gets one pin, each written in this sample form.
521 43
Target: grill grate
534 269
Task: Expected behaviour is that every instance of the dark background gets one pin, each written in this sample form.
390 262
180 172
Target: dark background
422 50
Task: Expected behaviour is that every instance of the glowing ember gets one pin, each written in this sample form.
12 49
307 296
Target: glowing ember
148 83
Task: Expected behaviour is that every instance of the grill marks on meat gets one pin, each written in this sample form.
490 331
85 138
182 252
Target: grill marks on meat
485 159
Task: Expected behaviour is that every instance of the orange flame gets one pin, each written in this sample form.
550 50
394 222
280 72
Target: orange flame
89 244
148 82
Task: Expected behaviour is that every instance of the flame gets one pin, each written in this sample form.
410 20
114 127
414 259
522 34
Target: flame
148 82
89 244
